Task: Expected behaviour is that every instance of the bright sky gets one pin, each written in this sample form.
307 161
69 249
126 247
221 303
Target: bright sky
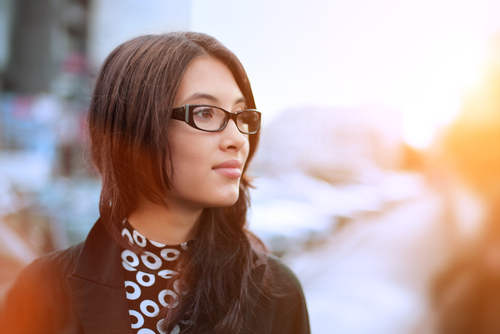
418 56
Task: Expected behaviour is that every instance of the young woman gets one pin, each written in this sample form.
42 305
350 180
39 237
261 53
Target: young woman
172 127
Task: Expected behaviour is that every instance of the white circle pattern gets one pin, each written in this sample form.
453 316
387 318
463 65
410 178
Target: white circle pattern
149 303
167 273
127 254
151 265
178 289
176 330
176 286
163 294
127 267
165 253
139 238
157 244
158 326
126 233
139 317
146 293
140 278
146 331
137 290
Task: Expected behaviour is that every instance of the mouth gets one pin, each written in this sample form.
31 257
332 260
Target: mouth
230 168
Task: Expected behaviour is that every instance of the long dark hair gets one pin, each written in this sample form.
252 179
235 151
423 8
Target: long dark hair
128 120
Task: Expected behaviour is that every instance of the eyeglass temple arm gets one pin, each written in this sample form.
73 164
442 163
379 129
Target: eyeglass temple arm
181 113
186 113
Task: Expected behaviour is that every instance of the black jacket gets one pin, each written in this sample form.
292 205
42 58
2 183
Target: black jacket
81 290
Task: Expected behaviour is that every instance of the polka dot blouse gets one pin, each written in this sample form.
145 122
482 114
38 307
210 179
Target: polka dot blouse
146 278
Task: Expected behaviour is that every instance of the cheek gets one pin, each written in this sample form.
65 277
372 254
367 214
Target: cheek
189 150
246 149
187 155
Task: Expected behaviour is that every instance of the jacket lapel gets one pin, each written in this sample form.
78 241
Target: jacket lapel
98 291
97 285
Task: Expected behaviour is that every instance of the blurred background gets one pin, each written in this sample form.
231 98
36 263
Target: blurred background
373 111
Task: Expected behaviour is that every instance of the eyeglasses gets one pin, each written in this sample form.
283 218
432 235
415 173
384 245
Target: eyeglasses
214 119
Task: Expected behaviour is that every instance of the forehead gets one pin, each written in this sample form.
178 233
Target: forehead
207 76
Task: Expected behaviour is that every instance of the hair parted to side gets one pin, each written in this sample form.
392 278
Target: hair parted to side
128 120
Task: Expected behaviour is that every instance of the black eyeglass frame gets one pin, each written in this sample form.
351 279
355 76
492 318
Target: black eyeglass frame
185 113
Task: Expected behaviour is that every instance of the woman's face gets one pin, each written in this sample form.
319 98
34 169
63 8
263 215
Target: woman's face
207 166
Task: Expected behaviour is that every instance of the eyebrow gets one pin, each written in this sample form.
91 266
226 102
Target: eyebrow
212 98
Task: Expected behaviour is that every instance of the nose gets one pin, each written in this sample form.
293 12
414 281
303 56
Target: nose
232 138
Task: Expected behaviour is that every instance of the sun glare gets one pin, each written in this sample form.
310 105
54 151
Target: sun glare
438 96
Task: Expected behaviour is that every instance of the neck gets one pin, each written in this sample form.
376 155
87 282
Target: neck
169 226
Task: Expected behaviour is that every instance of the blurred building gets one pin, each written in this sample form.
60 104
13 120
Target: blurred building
36 38
340 145
39 38
50 51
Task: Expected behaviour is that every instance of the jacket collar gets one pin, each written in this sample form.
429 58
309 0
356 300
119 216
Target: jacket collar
97 285
98 290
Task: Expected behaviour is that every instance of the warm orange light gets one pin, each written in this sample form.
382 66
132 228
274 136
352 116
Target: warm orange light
449 77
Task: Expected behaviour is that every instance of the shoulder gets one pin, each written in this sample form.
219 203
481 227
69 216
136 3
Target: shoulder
40 293
284 303
48 274
281 276
280 268
62 260
52 267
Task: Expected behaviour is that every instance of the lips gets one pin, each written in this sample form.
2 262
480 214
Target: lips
230 168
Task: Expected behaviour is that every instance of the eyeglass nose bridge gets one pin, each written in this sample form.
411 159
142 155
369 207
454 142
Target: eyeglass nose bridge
234 117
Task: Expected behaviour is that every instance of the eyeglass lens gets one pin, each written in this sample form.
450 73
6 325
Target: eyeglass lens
213 119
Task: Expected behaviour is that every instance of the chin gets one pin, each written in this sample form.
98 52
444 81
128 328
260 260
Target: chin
225 201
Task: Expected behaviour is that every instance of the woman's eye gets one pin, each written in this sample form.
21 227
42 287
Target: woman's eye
204 113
